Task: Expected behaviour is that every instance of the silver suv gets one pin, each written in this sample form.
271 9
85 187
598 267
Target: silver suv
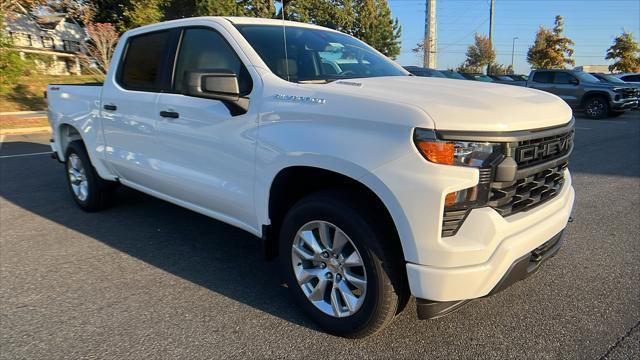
583 91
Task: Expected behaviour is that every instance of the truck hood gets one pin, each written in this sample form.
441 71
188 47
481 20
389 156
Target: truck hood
466 105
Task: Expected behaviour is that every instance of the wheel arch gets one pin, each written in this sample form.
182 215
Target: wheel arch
294 182
591 94
66 134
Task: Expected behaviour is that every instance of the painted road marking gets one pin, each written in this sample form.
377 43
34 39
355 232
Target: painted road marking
21 155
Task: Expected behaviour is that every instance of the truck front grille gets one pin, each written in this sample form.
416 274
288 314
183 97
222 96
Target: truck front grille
540 150
525 194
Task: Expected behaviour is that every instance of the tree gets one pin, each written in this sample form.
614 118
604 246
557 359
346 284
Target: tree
110 11
219 8
337 14
259 8
551 50
98 51
368 20
499 69
143 12
627 53
480 54
11 64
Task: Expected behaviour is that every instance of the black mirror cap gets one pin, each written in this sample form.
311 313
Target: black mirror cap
218 84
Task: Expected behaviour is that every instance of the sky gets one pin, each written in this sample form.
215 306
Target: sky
592 24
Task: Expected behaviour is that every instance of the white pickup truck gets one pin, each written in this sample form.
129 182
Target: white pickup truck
369 185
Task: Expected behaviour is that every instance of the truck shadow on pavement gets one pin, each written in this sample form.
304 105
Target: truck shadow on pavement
196 248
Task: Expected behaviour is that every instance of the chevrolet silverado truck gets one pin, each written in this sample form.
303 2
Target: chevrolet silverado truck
583 91
367 184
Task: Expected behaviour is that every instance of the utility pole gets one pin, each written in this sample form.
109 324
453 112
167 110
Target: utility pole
490 31
430 41
513 50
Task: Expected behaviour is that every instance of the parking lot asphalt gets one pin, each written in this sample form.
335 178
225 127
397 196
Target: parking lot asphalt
147 279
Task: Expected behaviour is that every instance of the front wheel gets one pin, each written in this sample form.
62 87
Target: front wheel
596 107
342 267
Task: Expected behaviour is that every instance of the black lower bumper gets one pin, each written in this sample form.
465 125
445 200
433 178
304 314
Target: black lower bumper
519 270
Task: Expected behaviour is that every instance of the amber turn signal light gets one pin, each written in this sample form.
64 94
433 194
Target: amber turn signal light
438 152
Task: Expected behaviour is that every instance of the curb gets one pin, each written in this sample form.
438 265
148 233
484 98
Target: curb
23 131
43 113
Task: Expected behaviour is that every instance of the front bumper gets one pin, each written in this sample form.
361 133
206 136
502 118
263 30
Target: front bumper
520 269
625 104
499 243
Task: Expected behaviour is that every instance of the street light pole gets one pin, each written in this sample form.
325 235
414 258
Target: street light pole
513 48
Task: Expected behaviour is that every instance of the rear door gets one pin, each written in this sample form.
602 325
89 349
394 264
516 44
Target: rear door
129 102
566 86
207 153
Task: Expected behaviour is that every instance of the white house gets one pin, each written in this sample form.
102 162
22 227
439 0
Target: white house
56 36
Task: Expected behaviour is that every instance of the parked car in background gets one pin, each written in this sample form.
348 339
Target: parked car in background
477 77
504 79
518 77
608 78
629 77
452 74
369 185
424 72
583 91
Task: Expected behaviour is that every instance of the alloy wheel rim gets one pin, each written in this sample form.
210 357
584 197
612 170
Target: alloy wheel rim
595 108
329 269
77 177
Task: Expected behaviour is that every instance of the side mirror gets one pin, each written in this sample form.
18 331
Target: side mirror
574 82
218 84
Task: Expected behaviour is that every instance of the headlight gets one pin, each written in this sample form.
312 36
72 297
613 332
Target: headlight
461 153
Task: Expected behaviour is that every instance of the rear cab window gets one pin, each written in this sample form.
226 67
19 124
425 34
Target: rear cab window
145 61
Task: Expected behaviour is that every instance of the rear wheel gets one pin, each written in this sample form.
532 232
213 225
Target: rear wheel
596 107
88 190
340 264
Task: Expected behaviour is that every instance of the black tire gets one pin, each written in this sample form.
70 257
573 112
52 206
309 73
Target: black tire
100 192
616 113
596 107
386 289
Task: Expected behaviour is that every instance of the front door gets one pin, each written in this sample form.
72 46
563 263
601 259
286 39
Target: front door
207 154
565 86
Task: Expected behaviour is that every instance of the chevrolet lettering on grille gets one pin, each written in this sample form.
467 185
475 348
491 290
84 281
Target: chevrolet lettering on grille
545 149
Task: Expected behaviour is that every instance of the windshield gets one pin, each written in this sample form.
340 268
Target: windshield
610 78
316 55
583 76
482 78
452 75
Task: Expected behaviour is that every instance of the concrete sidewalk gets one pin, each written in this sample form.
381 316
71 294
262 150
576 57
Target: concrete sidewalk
24 114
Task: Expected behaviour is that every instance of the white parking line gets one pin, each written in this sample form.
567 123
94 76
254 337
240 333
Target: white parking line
603 121
21 155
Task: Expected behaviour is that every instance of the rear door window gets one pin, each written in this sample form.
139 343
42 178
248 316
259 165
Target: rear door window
544 77
145 60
